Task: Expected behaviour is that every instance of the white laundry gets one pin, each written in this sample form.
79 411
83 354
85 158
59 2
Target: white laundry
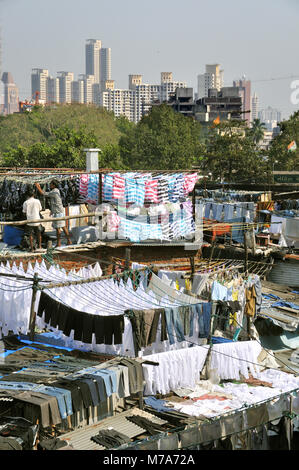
234 358
176 369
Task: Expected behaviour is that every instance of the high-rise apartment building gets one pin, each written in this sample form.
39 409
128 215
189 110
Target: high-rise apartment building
109 85
11 94
39 83
145 96
270 117
105 65
89 82
121 102
139 98
78 90
53 90
93 58
166 77
254 107
212 78
244 88
65 86
134 80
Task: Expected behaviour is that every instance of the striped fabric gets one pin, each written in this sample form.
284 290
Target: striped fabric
178 188
113 221
118 187
135 190
107 187
151 191
140 188
189 182
92 196
83 185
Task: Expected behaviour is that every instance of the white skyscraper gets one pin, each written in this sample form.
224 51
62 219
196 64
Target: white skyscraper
105 66
212 78
53 90
39 83
254 107
121 102
168 86
65 86
139 98
134 80
11 94
78 90
93 58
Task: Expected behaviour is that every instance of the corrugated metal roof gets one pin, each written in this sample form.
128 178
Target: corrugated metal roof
80 439
285 272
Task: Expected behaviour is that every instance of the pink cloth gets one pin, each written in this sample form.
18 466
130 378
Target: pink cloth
118 189
83 185
151 191
113 221
189 182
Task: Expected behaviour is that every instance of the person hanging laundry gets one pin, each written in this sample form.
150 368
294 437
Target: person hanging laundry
32 208
57 210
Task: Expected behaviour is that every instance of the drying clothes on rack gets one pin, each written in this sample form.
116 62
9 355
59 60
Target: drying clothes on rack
181 368
233 196
145 326
110 438
199 282
106 298
140 188
151 191
224 212
92 196
17 433
134 380
140 230
239 357
160 289
144 423
253 295
176 369
226 315
63 396
136 231
106 328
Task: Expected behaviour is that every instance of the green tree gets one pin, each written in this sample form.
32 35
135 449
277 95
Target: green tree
163 139
280 156
66 151
257 130
41 125
231 154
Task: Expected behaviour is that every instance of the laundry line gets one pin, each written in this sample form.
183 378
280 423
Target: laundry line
56 172
53 285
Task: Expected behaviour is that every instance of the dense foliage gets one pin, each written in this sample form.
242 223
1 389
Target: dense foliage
55 136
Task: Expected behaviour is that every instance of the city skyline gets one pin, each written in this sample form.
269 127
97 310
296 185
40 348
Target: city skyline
147 45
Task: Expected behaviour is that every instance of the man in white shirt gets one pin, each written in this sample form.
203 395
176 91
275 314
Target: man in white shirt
32 208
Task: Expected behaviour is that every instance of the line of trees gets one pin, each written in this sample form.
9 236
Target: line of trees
164 139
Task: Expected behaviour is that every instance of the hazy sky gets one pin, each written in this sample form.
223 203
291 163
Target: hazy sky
255 38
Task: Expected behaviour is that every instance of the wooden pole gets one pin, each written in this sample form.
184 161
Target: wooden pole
50 219
245 252
32 311
128 258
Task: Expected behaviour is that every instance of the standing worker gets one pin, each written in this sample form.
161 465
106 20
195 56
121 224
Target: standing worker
57 210
32 208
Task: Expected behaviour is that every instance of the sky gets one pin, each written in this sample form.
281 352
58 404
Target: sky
255 38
